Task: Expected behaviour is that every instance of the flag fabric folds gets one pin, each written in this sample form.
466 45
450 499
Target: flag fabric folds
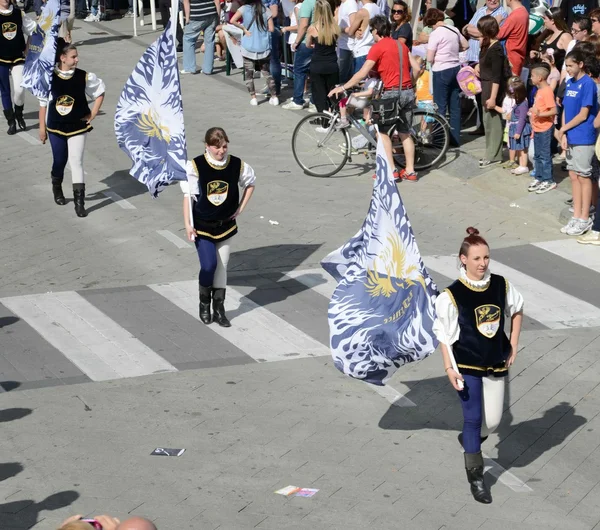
41 54
382 312
149 117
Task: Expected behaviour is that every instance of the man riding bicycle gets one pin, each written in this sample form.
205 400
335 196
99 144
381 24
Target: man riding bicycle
384 58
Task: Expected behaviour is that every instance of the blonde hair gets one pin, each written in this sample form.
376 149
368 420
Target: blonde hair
77 525
325 24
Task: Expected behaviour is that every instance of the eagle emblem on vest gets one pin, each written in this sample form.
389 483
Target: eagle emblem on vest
216 192
64 105
488 319
9 30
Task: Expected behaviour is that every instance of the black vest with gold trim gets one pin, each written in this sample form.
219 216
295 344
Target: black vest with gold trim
69 106
12 39
219 198
482 346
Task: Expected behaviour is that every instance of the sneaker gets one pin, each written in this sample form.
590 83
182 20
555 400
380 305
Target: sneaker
545 186
92 18
534 185
254 102
397 175
591 238
129 14
568 226
581 226
183 72
291 105
411 177
520 170
311 108
569 201
274 101
321 130
488 163
342 124
509 164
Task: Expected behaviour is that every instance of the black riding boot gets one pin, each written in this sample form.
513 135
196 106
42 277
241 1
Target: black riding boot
12 123
205 298
218 299
57 191
19 117
474 467
79 198
460 439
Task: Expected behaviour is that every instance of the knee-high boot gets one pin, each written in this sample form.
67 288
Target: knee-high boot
79 198
12 123
474 467
57 191
205 299
19 117
218 299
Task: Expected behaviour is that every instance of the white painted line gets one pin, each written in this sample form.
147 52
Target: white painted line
393 396
552 307
584 255
97 345
504 476
120 201
316 279
29 138
256 331
177 241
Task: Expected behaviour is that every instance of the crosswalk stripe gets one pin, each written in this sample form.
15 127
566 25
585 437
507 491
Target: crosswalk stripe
546 304
316 279
585 255
97 345
255 330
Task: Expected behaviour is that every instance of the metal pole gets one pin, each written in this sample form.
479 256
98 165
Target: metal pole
135 14
153 14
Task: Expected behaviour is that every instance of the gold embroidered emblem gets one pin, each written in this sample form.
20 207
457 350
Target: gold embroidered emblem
9 30
64 105
217 192
488 319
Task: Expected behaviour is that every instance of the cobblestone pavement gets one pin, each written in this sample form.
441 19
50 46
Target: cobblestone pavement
102 358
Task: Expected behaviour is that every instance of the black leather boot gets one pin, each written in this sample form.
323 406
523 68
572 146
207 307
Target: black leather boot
57 191
205 298
79 198
218 299
474 467
460 439
12 123
19 117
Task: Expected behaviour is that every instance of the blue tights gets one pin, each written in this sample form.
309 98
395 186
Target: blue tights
213 262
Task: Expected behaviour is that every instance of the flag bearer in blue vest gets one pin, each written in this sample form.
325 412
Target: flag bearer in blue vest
14 27
470 328
69 119
215 179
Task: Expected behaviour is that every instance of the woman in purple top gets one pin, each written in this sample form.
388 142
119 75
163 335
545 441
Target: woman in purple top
519 129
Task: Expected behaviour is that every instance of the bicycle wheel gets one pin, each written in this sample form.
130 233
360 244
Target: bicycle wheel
319 149
431 136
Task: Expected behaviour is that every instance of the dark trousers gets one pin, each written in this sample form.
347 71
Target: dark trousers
207 254
275 65
165 13
5 86
321 85
446 95
542 155
471 399
60 154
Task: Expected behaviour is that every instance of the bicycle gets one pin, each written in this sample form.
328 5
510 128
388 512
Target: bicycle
322 149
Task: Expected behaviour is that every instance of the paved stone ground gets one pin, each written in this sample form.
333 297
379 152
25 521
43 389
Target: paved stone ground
253 428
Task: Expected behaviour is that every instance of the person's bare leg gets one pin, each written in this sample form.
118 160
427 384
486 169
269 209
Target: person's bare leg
409 151
586 196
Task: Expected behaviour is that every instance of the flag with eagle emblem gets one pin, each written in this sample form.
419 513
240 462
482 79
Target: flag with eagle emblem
382 312
41 53
149 117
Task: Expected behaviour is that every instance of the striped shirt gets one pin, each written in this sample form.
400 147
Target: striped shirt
474 45
202 9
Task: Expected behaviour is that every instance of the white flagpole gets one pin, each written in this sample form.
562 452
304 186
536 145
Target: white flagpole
153 14
135 15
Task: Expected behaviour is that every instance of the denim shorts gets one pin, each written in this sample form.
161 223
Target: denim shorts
406 103
579 159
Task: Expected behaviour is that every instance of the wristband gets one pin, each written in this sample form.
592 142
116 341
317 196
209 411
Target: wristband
446 369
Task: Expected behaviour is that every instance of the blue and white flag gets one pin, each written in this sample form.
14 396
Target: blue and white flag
382 312
149 117
41 54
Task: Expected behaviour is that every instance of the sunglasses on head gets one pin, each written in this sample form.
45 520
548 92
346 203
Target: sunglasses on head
398 11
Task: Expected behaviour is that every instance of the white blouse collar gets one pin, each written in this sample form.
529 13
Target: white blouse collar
7 11
64 73
216 162
478 284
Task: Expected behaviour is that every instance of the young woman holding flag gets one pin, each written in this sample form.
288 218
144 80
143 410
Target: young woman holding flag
69 120
214 179
15 26
476 351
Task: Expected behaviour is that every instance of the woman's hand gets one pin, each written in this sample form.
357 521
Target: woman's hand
88 119
490 104
247 33
513 355
563 142
359 33
517 136
43 134
237 212
335 91
191 232
533 54
455 377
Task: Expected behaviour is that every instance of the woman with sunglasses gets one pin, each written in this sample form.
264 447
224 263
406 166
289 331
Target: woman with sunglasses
400 19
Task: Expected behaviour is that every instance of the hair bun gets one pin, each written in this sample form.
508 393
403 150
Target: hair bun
472 231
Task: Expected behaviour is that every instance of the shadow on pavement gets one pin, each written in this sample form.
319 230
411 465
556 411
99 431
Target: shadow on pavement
10 469
25 513
120 182
13 414
102 40
7 386
7 321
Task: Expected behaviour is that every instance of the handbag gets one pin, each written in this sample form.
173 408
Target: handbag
387 109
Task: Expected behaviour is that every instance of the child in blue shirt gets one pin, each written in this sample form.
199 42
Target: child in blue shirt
578 137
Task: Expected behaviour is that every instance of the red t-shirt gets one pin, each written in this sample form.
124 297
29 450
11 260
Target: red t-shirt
387 63
515 30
